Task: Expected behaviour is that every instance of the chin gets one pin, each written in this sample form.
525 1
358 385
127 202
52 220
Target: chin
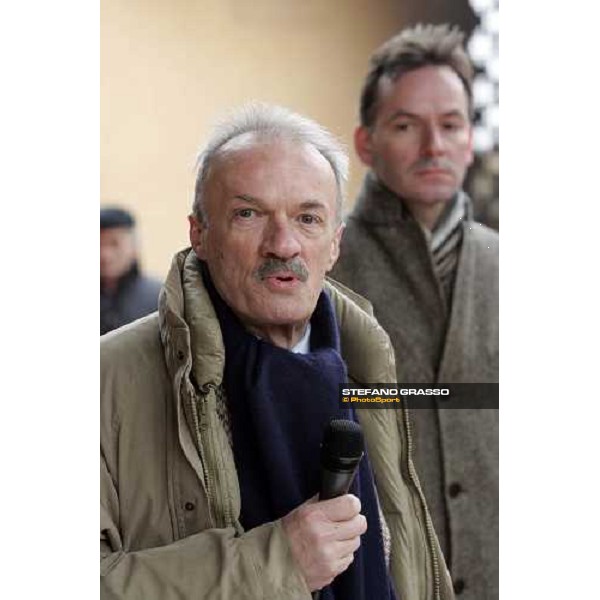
287 317
281 313
435 195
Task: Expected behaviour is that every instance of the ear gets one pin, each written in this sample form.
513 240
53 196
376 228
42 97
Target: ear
363 146
335 246
197 241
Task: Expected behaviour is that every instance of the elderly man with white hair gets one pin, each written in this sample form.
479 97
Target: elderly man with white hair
213 409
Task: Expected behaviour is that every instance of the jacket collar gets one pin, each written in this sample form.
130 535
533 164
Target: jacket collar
189 327
376 204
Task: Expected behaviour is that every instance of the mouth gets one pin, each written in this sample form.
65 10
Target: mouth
281 281
433 173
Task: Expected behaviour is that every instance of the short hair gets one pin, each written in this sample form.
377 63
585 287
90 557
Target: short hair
413 48
272 123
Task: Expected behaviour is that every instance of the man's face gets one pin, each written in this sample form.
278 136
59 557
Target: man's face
420 145
271 232
117 252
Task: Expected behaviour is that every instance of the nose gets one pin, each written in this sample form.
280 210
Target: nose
280 240
433 142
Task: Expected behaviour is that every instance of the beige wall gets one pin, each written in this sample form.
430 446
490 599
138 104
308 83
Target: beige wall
169 68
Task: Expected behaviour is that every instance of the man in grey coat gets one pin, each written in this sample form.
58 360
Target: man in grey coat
412 248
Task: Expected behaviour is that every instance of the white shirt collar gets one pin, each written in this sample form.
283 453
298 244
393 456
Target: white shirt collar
303 346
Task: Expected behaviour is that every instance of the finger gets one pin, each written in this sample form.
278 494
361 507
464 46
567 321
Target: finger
344 563
345 547
348 530
341 508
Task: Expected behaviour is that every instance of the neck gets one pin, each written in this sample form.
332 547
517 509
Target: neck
283 336
426 215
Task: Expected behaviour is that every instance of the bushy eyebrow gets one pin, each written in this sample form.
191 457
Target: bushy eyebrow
248 198
313 205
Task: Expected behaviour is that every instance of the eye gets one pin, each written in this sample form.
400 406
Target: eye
245 213
452 126
308 219
402 126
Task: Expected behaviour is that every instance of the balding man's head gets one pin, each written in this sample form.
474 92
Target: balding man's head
256 123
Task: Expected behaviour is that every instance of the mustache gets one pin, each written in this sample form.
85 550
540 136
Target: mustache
433 163
279 266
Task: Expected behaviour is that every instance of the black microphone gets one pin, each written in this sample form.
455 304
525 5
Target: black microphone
341 451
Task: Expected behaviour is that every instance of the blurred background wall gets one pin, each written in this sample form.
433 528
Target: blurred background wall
170 68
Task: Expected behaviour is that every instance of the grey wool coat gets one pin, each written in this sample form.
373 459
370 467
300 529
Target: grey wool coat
385 257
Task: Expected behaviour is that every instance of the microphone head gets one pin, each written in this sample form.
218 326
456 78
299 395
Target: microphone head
343 444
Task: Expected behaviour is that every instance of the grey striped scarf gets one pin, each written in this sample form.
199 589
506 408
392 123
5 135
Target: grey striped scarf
445 241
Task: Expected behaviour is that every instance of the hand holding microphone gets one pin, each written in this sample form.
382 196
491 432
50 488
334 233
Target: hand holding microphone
323 535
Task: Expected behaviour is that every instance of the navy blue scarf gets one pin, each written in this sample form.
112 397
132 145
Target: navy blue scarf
279 404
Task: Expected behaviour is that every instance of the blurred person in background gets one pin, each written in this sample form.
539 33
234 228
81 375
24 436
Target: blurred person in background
125 294
411 247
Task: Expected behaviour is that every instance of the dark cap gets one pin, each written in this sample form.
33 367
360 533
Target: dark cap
115 217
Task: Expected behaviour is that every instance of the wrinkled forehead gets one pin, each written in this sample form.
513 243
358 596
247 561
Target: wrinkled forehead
257 162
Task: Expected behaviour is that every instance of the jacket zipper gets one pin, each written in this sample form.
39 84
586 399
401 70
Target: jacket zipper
221 510
199 426
209 477
428 524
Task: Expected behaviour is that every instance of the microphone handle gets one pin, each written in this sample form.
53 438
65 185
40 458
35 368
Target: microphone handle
335 483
